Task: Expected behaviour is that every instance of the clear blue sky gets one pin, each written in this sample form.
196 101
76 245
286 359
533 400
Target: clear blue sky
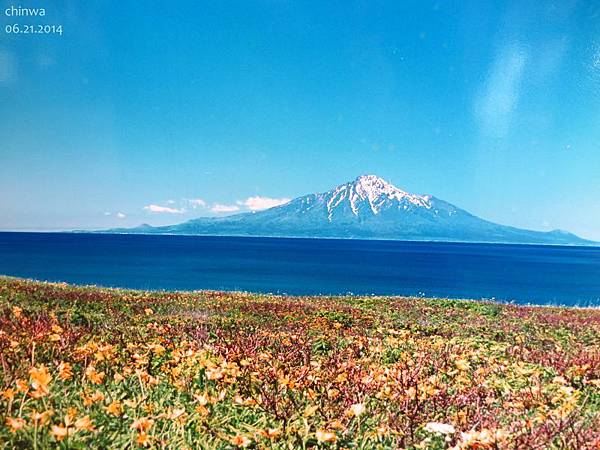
141 107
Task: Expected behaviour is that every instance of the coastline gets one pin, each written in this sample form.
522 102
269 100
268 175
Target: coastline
282 296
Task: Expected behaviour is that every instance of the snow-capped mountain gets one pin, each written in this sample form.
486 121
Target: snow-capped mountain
365 197
366 208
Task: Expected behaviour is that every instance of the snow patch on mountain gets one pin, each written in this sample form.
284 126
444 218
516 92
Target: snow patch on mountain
374 192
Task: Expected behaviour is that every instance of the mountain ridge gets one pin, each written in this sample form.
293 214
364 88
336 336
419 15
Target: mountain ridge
365 208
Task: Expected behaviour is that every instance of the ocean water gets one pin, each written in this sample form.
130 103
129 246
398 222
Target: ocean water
520 273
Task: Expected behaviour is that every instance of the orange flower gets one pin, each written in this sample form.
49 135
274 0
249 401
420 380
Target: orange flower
241 441
94 398
143 439
202 410
202 399
337 425
118 377
39 378
59 432
42 418
94 376
65 371
22 386
9 394
15 423
270 433
84 423
142 424
115 408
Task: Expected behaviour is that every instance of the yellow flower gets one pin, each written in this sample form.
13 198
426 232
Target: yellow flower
461 364
325 436
17 311
310 411
57 331
15 423
148 311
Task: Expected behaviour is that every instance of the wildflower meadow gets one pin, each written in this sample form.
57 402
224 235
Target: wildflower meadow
86 367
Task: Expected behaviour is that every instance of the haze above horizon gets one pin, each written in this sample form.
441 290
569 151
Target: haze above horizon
174 111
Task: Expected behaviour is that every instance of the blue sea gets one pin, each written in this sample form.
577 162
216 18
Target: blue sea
519 273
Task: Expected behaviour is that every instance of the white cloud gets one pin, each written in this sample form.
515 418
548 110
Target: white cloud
197 203
120 215
164 209
258 203
220 208
498 98
170 202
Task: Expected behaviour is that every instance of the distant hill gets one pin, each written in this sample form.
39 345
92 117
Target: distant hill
366 208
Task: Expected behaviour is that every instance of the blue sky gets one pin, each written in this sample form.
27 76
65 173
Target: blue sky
159 112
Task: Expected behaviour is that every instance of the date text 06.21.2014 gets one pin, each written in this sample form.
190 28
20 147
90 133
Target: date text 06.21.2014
33 29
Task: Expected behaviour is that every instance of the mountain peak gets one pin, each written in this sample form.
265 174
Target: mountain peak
371 195
375 184
370 179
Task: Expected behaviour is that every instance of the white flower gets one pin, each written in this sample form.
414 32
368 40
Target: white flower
356 410
440 428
